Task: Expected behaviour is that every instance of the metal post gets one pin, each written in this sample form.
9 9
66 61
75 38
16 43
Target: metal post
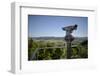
69 38
69 50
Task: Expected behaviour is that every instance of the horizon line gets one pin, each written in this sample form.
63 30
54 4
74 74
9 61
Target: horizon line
59 36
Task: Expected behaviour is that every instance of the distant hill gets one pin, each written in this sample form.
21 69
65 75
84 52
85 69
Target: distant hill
48 38
79 39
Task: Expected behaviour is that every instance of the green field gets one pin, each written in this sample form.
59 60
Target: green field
56 48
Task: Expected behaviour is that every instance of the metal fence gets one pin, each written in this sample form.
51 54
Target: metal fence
34 55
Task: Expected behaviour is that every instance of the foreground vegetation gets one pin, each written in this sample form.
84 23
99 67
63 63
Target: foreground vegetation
55 49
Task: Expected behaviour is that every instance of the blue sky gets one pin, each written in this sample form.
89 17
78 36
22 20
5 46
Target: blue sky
42 26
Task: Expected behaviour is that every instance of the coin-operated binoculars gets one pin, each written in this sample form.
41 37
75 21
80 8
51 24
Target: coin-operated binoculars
69 38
